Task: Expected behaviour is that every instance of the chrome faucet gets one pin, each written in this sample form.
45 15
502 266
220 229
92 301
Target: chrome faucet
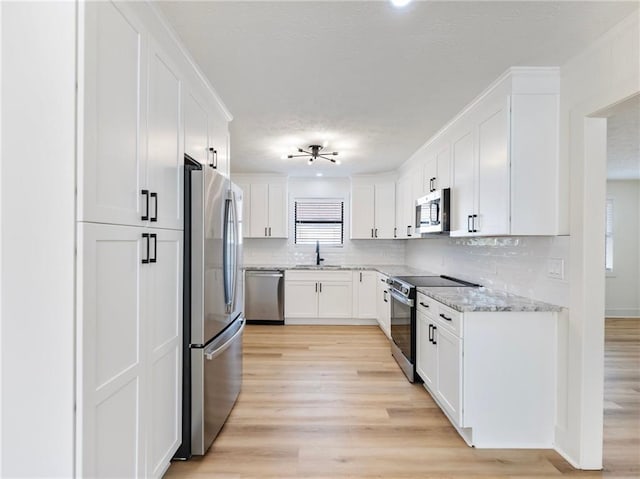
318 258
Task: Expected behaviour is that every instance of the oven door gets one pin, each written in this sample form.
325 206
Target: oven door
401 324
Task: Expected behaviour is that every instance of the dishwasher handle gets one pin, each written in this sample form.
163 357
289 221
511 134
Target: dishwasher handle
266 274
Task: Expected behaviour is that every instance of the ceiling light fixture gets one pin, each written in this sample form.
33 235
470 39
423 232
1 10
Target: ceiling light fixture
400 3
314 154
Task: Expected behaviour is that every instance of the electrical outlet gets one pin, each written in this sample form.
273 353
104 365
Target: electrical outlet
555 268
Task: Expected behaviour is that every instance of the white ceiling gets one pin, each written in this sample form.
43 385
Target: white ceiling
623 141
374 81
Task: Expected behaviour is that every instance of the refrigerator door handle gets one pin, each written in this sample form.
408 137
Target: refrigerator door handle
213 353
226 267
234 243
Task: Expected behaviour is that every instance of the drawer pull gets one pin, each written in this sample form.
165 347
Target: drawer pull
424 305
445 317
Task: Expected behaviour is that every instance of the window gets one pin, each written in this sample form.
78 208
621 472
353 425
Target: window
608 245
319 220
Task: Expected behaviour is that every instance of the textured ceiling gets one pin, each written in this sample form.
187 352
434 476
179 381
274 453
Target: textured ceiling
373 81
623 141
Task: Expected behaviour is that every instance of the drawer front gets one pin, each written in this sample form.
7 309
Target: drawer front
426 305
320 276
449 318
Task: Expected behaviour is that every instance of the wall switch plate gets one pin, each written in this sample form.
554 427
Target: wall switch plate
555 268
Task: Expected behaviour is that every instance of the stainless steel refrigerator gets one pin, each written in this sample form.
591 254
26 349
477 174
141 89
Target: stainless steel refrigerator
213 299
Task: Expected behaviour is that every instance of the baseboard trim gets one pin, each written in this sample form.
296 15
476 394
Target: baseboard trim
332 321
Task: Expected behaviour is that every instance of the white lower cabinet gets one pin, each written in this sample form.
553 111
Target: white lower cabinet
129 330
318 296
383 304
365 305
492 373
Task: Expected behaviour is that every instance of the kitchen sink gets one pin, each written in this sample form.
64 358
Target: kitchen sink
313 266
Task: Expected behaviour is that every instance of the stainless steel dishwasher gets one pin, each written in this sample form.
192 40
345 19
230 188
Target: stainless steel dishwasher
264 296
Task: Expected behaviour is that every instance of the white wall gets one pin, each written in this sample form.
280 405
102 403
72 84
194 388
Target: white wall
258 251
623 283
37 238
515 264
607 72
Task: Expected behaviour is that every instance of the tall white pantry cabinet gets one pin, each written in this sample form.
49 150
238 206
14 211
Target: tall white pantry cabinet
142 105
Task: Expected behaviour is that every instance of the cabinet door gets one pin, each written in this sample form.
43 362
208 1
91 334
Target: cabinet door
416 191
493 172
196 129
246 209
430 174
365 288
164 139
449 372
443 170
111 374
426 352
402 195
301 299
164 350
385 210
259 201
362 211
334 299
112 167
219 141
463 193
277 211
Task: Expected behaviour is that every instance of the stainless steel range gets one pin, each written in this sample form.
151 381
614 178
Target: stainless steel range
403 315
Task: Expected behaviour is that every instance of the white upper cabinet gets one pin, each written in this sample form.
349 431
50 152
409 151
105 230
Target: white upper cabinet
267 211
373 208
196 129
112 172
403 221
437 169
165 156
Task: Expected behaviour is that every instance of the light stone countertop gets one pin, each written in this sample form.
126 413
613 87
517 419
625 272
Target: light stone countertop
485 300
388 269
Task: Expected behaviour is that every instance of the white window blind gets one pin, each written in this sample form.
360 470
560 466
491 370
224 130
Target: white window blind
319 220
608 245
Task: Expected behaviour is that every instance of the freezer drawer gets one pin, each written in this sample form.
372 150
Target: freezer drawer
264 294
216 380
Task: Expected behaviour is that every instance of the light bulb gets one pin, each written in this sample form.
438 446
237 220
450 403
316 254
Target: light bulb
400 3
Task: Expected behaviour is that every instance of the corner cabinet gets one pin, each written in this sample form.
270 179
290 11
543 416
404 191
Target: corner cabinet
505 158
372 209
139 111
493 374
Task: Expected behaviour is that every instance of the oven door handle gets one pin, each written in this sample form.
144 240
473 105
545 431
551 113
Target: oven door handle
402 299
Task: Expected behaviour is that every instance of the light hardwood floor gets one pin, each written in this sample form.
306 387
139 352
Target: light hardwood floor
330 402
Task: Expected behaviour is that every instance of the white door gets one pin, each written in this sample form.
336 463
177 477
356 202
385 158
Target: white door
365 284
112 170
196 129
362 211
443 176
385 210
427 352
164 350
259 200
218 140
334 299
246 209
301 299
494 172
111 368
402 221
277 211
463 192
449 372
165 158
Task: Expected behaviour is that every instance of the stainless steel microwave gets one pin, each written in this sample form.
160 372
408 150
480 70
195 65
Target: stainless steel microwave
433 212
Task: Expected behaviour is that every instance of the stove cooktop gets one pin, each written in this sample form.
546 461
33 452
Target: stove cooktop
434 281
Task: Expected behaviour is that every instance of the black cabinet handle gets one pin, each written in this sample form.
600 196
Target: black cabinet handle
361 276
320 287
430 333
445 317
265 231
395 231
146 260
474 230
145 216
214 158
376 232
408 230
154 195
269 230
372 232
468 223
316 287
424 304
433 337
384 296
154 237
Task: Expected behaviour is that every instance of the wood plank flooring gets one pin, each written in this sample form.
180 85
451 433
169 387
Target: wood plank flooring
330 402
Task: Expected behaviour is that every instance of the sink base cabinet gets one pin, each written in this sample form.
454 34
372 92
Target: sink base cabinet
495 377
